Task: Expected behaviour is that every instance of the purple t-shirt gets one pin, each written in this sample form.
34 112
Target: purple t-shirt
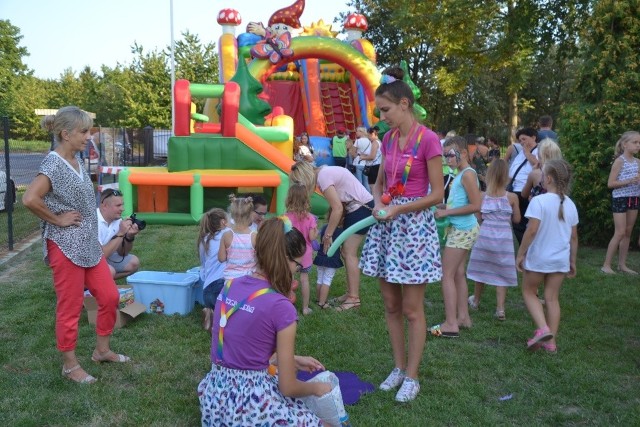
347 186
304 225
418 181
250 334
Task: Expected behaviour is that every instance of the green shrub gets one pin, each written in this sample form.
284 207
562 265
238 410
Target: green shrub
589 134
608 88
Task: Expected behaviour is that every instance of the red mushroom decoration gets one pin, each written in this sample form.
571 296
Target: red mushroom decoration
355 24
229 19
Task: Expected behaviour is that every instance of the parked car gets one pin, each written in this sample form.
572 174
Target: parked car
7 191
160 142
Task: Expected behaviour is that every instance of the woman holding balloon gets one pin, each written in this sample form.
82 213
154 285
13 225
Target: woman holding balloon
402 249
343 191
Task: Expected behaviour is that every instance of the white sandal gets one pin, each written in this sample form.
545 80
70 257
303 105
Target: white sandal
105 357
88 379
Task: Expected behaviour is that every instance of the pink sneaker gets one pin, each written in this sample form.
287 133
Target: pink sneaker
539 337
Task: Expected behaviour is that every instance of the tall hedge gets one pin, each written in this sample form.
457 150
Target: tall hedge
608 89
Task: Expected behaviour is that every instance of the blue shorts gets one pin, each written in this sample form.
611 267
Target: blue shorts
358 215
623 204
211 292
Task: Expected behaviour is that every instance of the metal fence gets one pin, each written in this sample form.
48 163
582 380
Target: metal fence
20 162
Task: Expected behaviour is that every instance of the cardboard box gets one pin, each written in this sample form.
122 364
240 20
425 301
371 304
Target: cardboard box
124 315
164 291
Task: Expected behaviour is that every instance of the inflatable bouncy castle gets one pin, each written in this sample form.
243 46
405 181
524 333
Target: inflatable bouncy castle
276 81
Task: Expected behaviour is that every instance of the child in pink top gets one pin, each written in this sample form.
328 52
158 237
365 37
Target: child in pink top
298 206
238 244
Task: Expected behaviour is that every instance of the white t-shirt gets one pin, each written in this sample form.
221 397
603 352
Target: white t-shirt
210 268
106 231
550 250
363 146
523 173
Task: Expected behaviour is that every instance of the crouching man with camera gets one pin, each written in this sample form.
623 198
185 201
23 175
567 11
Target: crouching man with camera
116 235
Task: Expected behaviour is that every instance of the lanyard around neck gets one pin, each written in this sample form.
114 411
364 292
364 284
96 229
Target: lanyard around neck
395 137
225 315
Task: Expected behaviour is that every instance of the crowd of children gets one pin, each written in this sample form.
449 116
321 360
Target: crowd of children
480 224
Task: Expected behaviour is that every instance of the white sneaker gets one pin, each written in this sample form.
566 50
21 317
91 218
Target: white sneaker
472 303
408 391
395 378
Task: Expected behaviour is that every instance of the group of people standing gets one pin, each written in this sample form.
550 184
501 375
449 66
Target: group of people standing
249 263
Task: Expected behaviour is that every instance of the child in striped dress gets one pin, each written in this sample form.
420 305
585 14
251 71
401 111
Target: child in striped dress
624 180
238 243
492 259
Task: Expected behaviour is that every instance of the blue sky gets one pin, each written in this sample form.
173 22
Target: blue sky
72 33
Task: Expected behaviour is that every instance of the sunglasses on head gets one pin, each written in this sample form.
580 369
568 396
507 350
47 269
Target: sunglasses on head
111 193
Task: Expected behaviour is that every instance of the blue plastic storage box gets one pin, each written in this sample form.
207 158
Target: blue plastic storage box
198 289
164 292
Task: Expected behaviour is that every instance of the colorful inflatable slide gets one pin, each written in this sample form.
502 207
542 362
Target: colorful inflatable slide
240 142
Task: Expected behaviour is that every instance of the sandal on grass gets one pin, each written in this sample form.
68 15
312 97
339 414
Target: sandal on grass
324 306
338 300
436 331
348 305
87 379
109 357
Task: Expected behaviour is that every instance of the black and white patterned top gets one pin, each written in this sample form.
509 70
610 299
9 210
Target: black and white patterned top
71 190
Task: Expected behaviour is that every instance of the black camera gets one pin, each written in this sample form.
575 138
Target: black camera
139 222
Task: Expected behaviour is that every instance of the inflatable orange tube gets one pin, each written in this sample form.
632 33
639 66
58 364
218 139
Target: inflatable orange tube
263 148
173 179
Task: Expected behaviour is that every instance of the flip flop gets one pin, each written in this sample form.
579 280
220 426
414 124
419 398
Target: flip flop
324 306
338 300
348 305
436 331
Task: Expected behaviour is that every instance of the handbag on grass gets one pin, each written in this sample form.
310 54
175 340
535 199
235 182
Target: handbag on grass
329 407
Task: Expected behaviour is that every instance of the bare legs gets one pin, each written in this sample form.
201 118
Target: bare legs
400 302
351 259
454 290
552 283
623 223
304 290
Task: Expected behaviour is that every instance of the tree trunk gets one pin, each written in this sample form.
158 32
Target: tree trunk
513 116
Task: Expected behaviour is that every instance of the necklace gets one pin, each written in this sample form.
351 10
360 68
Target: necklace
395 143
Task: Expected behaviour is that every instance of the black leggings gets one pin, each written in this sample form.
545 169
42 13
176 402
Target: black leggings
521 227
373 174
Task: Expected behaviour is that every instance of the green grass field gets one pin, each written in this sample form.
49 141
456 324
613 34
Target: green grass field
592 380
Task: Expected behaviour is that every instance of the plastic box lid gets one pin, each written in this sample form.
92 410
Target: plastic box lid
163 278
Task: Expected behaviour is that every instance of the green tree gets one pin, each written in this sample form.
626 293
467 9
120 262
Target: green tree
458 48
11 68
608 91
195 61
68 91
110 106
30 93
148 100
